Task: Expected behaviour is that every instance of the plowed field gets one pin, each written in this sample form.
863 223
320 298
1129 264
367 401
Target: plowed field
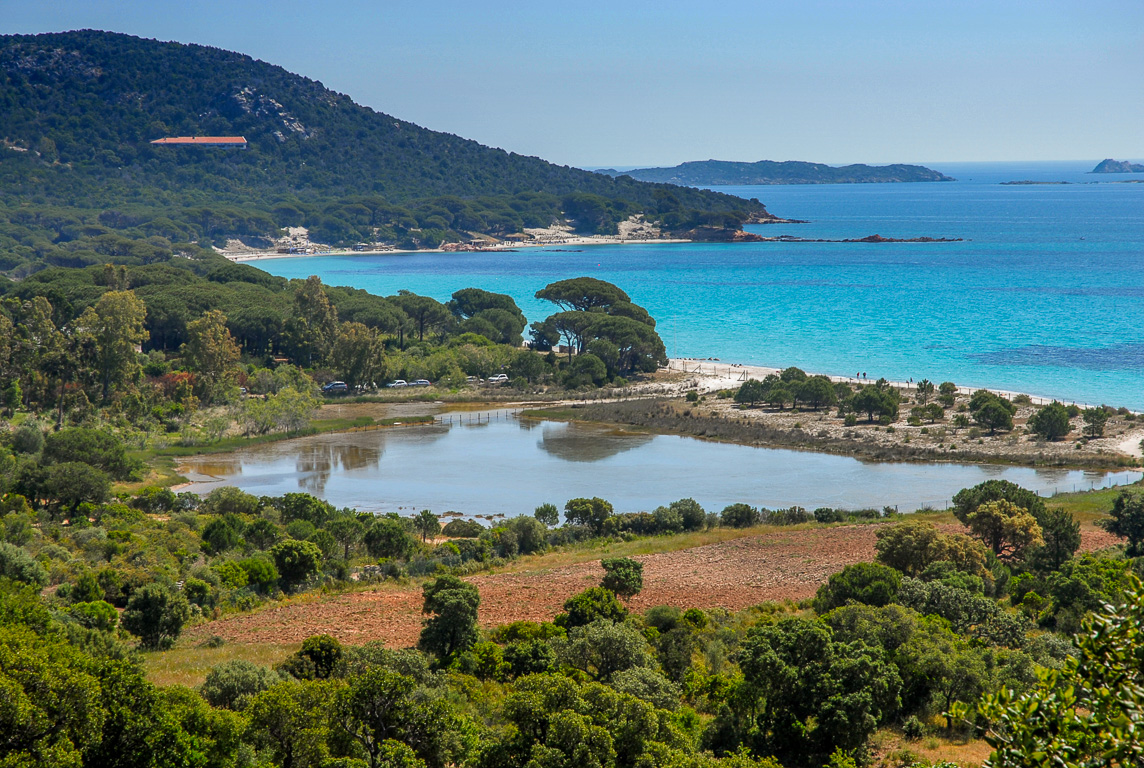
775 565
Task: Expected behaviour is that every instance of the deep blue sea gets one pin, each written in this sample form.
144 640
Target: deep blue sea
1045 294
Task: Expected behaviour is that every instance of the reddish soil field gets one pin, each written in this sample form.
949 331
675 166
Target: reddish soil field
777 565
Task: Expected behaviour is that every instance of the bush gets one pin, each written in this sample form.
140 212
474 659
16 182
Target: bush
547 514
1051 422
828 515
531 534
94 447
229 500
155 615
260 573
18 565
96 614
296 561
867 583
593 604
230 684
739 516
28 439
692 516
623 576
463 529
531 657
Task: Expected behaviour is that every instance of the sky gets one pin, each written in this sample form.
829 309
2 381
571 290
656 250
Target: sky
629 83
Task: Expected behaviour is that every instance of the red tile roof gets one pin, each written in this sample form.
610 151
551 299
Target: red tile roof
206 140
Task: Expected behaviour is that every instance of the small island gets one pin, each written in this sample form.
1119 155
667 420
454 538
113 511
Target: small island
716 173
1117 166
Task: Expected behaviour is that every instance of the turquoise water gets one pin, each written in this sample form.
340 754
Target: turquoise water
1045 294
510 466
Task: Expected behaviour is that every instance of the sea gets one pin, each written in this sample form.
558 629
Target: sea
1043 292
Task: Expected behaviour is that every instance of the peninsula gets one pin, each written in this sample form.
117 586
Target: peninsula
1117 166
716 173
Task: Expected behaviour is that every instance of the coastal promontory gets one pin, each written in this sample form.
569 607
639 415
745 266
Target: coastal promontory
715 173
1117 166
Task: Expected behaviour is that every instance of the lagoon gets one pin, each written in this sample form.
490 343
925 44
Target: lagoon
1044 295
506 465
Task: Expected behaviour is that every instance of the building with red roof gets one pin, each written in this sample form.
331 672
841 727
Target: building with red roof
234 142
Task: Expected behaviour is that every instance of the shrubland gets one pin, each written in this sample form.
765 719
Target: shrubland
917 642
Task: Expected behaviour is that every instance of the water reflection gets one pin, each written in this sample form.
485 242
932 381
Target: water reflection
588 444
504 467
316 462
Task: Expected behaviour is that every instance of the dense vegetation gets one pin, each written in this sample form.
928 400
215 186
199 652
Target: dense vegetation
919 641
78 111
701 173
102 360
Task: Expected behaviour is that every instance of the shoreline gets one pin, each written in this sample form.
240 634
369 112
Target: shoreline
712 376
497 248
733 374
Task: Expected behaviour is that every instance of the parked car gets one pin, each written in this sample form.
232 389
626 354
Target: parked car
335 386
421 383
472 379
500 378
398 383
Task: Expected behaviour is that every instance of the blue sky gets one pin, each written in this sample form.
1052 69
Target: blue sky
596 83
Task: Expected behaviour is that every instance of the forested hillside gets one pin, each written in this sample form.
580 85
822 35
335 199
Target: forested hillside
78 111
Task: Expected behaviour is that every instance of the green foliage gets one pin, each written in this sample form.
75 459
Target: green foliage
1094 421
750 392
623 576
51 711
991 411
388 538
1127 520
231 685
912 547
739 516
1005 528
463 529
547 514
604 648
1084 714
451 605
379 712
18 565
866 583
1050 422
875 401
296 561
156 615
813 694
1060 532
594 513
317 659
97 614
591 605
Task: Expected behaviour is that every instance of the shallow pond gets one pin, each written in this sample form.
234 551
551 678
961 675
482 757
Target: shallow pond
508 465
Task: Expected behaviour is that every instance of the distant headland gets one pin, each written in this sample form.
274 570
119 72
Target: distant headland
1116 166
716 173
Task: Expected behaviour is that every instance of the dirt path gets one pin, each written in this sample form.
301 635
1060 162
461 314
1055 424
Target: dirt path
778 565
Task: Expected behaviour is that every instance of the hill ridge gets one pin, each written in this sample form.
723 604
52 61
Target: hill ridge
81 108
729 173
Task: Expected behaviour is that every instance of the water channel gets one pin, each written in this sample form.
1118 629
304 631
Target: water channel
496 463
